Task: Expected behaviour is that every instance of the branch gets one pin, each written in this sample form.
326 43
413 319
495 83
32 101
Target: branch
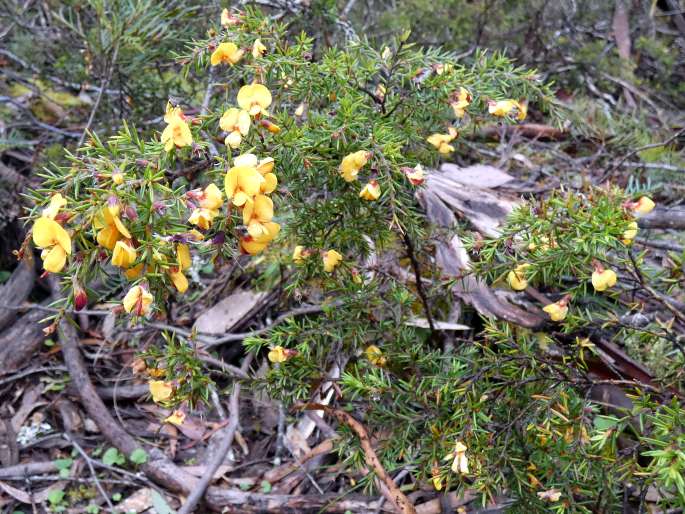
397 497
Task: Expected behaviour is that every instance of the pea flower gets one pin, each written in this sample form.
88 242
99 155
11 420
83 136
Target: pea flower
256 245
254 98
462 101
331 259
183 256
277 355
118 178
178 279
212 198
415 175
177 133
237 123
644 205
80 295
137 300
375 355
228 19
110 227
134 272
558 310
226 53
630 233
258 48
603 279
352 163
517 278
271 127
460 463
57 201
160 390
442 141
300 253
436 478
371 191
176 418
123 255
242 183
264 166
202 218
502 108
256 213
54 240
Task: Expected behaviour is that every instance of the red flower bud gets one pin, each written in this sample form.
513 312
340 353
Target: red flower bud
80 296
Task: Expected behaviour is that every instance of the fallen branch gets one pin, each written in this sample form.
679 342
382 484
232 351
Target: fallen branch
664 218
397 497
17 288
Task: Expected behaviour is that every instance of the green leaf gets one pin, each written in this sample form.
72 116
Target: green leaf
116 497
605 422
62 464
266 486
112 457
55 497
160 505
138 456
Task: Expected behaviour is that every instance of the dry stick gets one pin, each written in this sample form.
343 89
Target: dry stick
226 442
397 497
98 98
419 284
92 470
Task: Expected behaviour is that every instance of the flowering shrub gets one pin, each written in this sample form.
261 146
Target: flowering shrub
309 163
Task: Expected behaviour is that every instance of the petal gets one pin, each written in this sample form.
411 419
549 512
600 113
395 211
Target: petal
229 120
269 184
44 230
183 256
248 160
55 259
121 228
108 237
233 139
231 182
180 281
263 208
244 122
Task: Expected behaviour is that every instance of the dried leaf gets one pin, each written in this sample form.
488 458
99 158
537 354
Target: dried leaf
479 175
228 312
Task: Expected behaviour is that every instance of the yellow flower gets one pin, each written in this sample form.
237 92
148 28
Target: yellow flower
123 255
212 198
227 19
137 300
258 48
161 391
517 277
177 417
331 259
463 100
436 478
202 218
300 253
255 245
271 127
226 53
558 310
179 280
183 256
242 183
416 175
254 98
375 355
603 279
134 272
522 110
177 131
371 191
55 242
118 178
278 354
56 203
502 108
644 205
630 233
460 463
442 141
237 123
299 111
352 163
257 213
265 167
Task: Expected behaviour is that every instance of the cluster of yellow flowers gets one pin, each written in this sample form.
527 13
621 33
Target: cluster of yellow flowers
602 278
459 101
51 237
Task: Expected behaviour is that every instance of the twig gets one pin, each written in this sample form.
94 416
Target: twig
98 98
397 497
219 455
419 284
92 470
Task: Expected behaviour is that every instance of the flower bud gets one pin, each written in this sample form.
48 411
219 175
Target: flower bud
80 296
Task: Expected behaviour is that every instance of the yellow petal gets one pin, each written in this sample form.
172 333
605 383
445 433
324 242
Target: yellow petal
556 311
183 256
134 272
54 259
123 254
160 390
258 48
645 205
331 259
56 203
179 280
212 198
254 98
226 53
603 280
277 354
176 418
108 237
270 183
121 227
371 191
137 300
248 160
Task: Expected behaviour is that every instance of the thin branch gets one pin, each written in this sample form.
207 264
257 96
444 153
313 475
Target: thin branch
92 470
